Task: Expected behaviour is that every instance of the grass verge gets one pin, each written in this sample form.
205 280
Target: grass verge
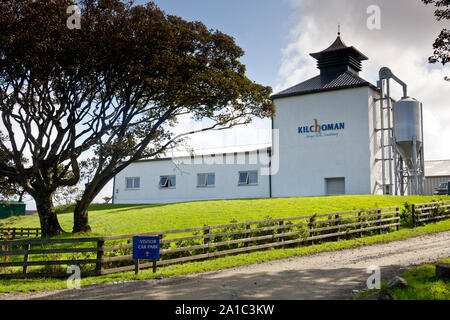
32 285
422 282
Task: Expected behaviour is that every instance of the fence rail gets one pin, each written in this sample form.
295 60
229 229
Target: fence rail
17 233
431 211
105 255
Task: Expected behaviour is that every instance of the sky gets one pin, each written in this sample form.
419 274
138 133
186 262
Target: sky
278 35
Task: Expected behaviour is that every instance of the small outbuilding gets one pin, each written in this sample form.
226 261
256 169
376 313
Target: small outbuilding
11 208
436 172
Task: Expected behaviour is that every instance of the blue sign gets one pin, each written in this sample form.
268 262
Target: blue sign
146 248
321 128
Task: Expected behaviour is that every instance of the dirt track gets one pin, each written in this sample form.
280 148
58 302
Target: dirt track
327 275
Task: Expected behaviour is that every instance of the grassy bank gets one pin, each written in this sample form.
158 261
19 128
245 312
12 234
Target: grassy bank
423 285
108 220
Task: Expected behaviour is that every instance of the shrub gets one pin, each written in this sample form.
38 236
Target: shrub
406 215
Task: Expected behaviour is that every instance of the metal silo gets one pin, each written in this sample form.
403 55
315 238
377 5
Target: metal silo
408 129
408 142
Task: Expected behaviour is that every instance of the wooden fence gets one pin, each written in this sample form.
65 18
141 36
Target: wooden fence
26 258
105 255
428 212
17 233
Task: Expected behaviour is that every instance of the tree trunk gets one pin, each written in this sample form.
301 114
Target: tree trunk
93 188
47 216
80 215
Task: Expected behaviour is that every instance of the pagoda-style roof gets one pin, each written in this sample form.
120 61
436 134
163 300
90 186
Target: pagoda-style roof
339 55
339 66
337 45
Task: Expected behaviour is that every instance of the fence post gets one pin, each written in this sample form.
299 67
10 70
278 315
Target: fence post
338 237
281 231
25 258
397 214
206 240
99 265
360 224
161 236
311 228
248 235
413 215
136 266
13 236
5 248
379 223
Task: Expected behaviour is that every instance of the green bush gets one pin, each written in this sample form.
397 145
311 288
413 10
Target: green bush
406 215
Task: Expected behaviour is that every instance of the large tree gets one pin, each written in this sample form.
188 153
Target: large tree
441 45
114 87
9 188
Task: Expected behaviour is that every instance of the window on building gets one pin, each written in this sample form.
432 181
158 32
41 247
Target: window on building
167 182
133 183
335 186
206 179
248 177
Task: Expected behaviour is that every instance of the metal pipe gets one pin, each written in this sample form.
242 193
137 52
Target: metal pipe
416 180
402 179
405 87
422 158
389 110
394 142
383 180
386 73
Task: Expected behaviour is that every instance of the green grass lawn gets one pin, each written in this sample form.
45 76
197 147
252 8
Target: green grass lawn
108 220
423 285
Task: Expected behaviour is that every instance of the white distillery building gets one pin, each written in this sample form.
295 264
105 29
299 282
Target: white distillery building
325 141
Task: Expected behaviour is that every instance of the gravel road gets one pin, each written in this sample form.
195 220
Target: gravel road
327 275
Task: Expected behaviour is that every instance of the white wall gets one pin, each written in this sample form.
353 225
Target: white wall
226 180
305 163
